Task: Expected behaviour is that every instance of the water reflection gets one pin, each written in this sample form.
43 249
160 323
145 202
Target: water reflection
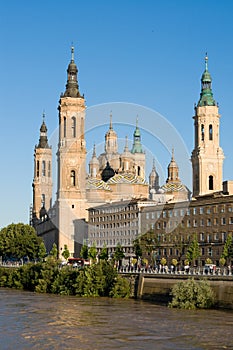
38 321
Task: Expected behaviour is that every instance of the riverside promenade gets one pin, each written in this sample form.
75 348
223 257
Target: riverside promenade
157 285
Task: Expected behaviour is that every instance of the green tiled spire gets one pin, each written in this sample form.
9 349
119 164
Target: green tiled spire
137 146
206 96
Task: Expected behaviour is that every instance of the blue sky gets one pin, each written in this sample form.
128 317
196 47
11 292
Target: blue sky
146 53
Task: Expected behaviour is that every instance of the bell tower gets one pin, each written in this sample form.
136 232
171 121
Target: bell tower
207 156
71 157
42 180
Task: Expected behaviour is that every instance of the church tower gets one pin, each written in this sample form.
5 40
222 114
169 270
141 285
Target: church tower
137 151
207 156
71 157
42 180
153 178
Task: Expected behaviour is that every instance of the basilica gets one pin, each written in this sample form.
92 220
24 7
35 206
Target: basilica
114 176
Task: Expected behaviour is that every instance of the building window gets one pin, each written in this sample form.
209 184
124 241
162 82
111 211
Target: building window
202 236
188 223
223 221
231 220
72 178
73 126
215 221
208 211
230 209
202 132
210 251
211 182
38 168
194 223
210 132
201 210
49 168
43 200
64 127
208 222
202 222
43 168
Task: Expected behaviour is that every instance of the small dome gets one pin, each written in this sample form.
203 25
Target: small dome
206 77
107 173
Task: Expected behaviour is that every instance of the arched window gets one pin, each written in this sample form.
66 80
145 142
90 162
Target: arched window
49 168
202 132
211 182
73 126
38 168
43 168
139 171
42 200
197 182
64 131
210 132
72 177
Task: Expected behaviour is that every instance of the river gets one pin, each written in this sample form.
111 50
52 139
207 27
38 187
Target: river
42 321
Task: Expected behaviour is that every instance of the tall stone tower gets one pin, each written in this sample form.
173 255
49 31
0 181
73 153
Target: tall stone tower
207 156
71 157
42 180
137 151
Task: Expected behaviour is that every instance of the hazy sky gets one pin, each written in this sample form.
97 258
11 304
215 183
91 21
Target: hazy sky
139 53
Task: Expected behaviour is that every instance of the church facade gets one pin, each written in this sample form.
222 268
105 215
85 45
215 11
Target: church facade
113 176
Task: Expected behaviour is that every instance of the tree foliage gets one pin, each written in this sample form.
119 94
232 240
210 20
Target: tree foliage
66 252
137 248
104 253
84 252
98 280
193 251
92 253
18 241
191 294
228 248
119 253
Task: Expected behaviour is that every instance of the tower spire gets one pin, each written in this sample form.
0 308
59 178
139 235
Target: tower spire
43 141
126 149
72 88
110 125
137 146
206 96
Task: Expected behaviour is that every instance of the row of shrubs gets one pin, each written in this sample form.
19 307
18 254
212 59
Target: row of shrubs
99 279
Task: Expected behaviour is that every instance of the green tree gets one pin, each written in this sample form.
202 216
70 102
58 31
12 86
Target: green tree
104 253
42 251
137 248
66 252
54 252
193 251
191 294
119 253
228 248
84 252
92 253
19 241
